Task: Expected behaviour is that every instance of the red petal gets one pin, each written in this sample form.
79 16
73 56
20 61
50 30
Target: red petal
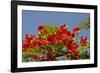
40 28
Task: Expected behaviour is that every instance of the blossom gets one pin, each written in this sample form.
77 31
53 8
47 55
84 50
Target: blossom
40 28
62 29
36 56
63 26
55 38
72 47
28 38
42 42
70 36
73 35
76 30
51 37
76 55
25 45
58 39
83 41
28 42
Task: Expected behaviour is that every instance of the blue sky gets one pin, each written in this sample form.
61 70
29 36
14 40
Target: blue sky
32 19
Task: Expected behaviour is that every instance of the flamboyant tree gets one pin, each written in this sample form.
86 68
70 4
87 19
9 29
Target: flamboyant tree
54 43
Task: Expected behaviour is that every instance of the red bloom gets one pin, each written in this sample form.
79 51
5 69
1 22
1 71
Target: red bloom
83 41
51 37
64 42
25 45
28 42
40 28
42 42
45 41
65 34
63 26
72 47
28 38
59 39
36 57
76 55
73 35
62 29
70 36
76 30
33 37
54 38
68 33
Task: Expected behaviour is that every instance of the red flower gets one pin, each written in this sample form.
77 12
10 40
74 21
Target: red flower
45 41
62 29
76 55
83 41
25 45
76 30
36 57
42 42
40 28
55 38
28 42
28 38
33 37
63 26
58 39
68 33
73 35
64 42
65 34
70 36
72 47
51 37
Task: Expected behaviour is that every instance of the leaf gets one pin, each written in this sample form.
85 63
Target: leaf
26 53
30 52
50 29
68 56
34 52
85 55
84 26
84 52
81 49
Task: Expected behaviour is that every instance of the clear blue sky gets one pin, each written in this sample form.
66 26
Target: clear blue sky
32 19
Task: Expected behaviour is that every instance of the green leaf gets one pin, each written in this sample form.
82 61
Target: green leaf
30 52
84 26
81 49
85 55
26 53
68 56
34 52
50 28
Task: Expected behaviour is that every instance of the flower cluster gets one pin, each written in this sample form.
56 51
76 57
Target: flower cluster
53 42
